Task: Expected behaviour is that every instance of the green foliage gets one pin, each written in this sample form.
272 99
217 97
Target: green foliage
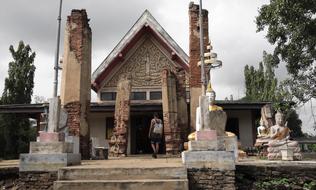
311 147
262 85
291 26
15 131
310 186
277 183
294 123
284 183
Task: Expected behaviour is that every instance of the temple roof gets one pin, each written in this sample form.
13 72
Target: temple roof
145 24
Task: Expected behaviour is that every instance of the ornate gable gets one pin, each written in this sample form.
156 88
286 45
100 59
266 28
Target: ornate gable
146 24
144 67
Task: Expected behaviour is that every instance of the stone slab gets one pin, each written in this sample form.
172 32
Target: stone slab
85 172
221 160
205 135
202 145
50 147
51 136
47 162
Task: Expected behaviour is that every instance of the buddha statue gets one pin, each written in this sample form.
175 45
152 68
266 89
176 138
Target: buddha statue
280 139
262 131
210 93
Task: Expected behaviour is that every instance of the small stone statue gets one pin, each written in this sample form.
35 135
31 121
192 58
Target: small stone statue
262 130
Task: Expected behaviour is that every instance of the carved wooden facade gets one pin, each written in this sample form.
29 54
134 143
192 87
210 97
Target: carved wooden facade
143 67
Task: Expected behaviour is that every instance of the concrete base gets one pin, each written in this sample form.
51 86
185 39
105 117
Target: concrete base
202 145
51 136
221 160
47 162
230 144
206 135
50 147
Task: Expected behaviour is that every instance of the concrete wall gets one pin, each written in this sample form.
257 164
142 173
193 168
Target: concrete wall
245 125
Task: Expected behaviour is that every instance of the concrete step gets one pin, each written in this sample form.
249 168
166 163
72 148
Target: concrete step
125 173
140 184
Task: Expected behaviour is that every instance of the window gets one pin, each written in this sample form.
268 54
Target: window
108 95
138 96
109 127
155 95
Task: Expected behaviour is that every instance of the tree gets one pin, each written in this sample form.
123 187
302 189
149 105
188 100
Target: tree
261 84
291 26
18 89
294 123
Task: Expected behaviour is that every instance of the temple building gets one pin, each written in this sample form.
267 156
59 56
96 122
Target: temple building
148 56
160 77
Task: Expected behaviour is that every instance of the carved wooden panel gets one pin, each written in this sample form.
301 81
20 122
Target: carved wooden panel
144 67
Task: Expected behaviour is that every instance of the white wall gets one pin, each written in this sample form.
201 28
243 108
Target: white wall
245 126
97 126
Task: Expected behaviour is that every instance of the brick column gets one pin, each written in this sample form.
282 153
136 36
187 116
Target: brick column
194 53
122 112
182 106
76 77
172 131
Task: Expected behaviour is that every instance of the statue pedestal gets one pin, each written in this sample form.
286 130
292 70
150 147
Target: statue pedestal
49 155
210 151
210 158
287 154
51 152
206 135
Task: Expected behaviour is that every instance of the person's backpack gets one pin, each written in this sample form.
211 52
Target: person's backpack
158 128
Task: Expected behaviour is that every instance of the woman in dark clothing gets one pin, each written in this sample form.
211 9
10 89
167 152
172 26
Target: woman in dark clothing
155 134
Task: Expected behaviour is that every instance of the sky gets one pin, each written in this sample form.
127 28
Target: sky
232 31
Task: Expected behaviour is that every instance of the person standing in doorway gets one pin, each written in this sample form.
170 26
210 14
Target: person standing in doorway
155 134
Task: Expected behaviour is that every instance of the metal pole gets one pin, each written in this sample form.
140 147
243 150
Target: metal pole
56 67
202 51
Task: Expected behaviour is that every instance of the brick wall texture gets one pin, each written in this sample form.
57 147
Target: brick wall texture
194 42
290 177
208 179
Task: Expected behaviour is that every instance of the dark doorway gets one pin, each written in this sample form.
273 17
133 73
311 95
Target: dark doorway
232 125
140 143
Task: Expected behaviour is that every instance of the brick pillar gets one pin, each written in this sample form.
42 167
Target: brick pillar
76 77
118 141
194 53
170 113
182 105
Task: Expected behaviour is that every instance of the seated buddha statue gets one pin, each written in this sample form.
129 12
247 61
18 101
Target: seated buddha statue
280 139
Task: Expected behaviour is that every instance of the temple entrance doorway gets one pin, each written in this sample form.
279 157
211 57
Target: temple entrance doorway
140 143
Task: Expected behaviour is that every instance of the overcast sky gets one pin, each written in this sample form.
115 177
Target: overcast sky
231 26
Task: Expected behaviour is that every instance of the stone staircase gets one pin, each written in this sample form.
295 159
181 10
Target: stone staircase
135 176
